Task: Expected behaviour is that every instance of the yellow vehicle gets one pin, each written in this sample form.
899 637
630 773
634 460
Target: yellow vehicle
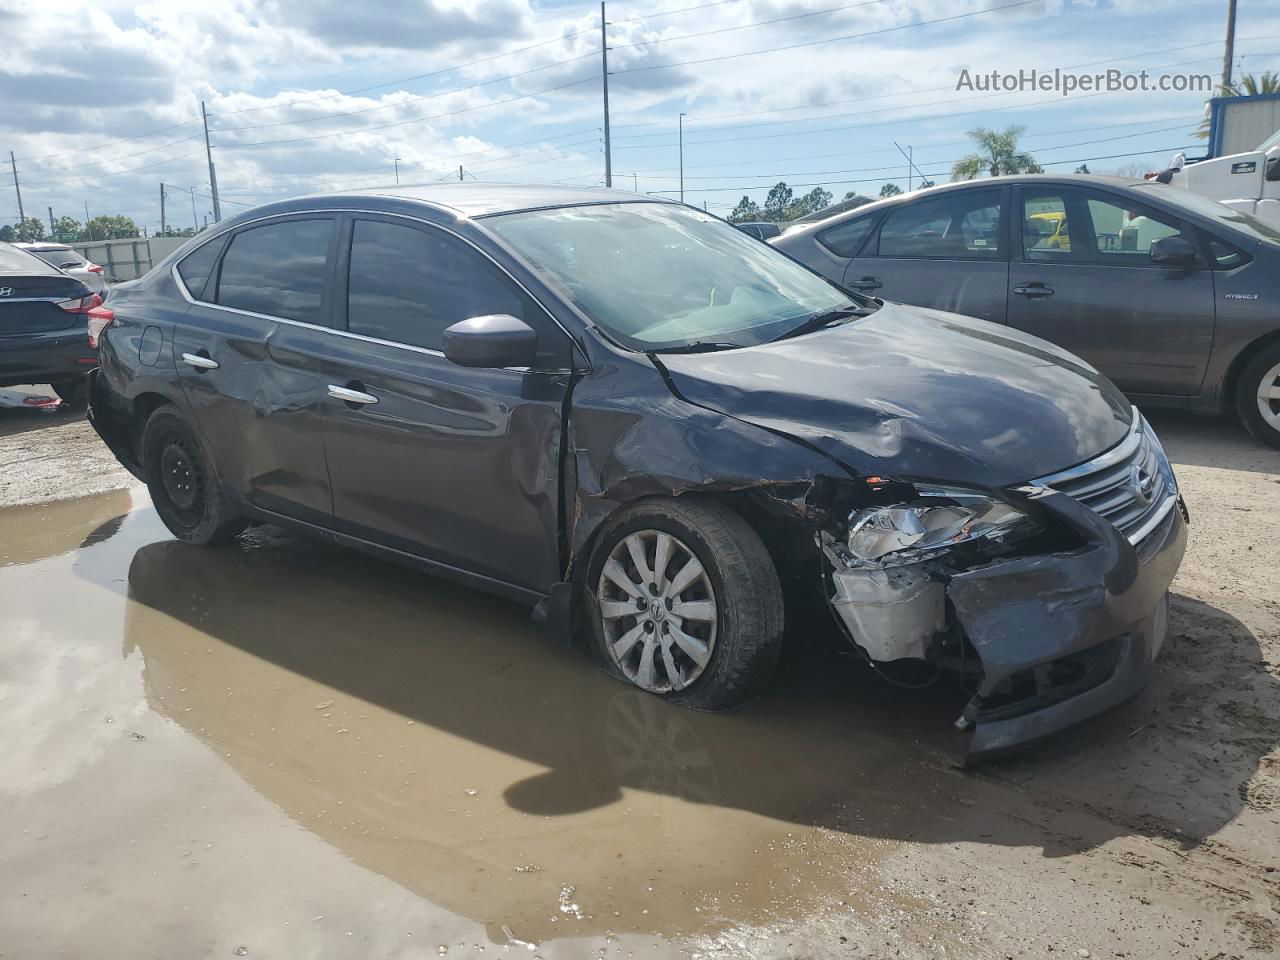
1051 228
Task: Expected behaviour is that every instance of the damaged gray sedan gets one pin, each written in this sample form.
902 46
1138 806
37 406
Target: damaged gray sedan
659 433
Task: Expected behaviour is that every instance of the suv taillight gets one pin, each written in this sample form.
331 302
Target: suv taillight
82 305
99 319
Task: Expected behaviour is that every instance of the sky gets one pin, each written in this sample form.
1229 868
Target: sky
102 100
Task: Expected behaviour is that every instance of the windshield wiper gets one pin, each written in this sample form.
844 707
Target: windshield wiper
700 346
824 319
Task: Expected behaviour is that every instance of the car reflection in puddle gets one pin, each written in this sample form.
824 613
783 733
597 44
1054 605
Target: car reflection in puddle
436 736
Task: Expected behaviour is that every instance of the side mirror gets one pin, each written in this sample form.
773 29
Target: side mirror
1173 252
498 340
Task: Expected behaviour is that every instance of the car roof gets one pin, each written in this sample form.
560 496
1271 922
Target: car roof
15 262
1039 179
42 245
488 199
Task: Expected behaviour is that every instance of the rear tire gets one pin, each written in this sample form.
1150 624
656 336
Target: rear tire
183 483
74 393
722 651
1258 395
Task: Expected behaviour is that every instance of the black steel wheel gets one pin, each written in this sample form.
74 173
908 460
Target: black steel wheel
183 483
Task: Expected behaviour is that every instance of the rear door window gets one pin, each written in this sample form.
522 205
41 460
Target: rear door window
278 269
962 225
846 239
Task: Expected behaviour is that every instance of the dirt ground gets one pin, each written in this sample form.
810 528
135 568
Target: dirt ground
281 749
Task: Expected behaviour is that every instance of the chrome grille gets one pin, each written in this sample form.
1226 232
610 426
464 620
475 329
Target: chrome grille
1132 484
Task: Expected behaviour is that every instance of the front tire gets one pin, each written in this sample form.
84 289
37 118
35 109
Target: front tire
1258 395
685 603
183 483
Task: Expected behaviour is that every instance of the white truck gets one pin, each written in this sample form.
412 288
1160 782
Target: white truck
1245 179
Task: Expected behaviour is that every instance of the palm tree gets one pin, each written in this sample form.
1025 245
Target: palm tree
1249 85
999 155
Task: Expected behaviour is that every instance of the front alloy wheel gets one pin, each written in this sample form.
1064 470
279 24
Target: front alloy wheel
685 602
658 610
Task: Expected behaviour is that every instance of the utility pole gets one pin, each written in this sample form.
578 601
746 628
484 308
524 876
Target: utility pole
910 152
162 208
1230 44
195 221
911 164
396 161
459 173
604 81
51 231
14 163
213 177
682 158
88 229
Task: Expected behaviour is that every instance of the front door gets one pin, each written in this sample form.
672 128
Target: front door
946 251
455 464
1083 279
255 397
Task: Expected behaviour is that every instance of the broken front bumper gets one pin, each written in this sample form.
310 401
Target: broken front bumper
1058 637
1065 636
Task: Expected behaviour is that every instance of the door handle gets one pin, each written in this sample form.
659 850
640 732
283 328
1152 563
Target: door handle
200 362
1034 290
866 283
348 395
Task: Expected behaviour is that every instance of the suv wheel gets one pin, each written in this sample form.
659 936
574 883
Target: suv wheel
1258 395
687 603
183 484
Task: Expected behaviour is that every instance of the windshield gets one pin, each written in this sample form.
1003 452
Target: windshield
658 276
1181 197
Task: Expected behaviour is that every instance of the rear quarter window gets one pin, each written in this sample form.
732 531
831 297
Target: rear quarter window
196 267
846 239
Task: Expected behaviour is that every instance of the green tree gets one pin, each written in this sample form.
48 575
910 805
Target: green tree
745 212
999 155
1249 85
1083 168
777 203
8 234
811 202
29 230
110 228
67 227
890 190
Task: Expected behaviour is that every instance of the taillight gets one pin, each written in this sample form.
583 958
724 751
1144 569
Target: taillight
93 268
99 319
82 305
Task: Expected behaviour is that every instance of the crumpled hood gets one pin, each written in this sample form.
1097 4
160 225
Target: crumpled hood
916 393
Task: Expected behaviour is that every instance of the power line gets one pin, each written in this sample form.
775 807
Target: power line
463 66
744 26
112 143
401 123
814 43
949 87
119 173
414 99
931 174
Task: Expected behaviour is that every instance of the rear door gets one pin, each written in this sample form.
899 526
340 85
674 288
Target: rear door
1083 279
946 251
455 464
261 300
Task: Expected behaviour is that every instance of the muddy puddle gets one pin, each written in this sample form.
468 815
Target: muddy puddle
296 750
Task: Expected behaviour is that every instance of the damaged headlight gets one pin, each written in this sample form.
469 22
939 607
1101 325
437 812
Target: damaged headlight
938 519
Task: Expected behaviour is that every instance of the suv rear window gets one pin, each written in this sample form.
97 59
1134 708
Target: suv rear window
277 269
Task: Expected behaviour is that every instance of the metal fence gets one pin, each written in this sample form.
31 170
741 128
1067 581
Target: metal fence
128 259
